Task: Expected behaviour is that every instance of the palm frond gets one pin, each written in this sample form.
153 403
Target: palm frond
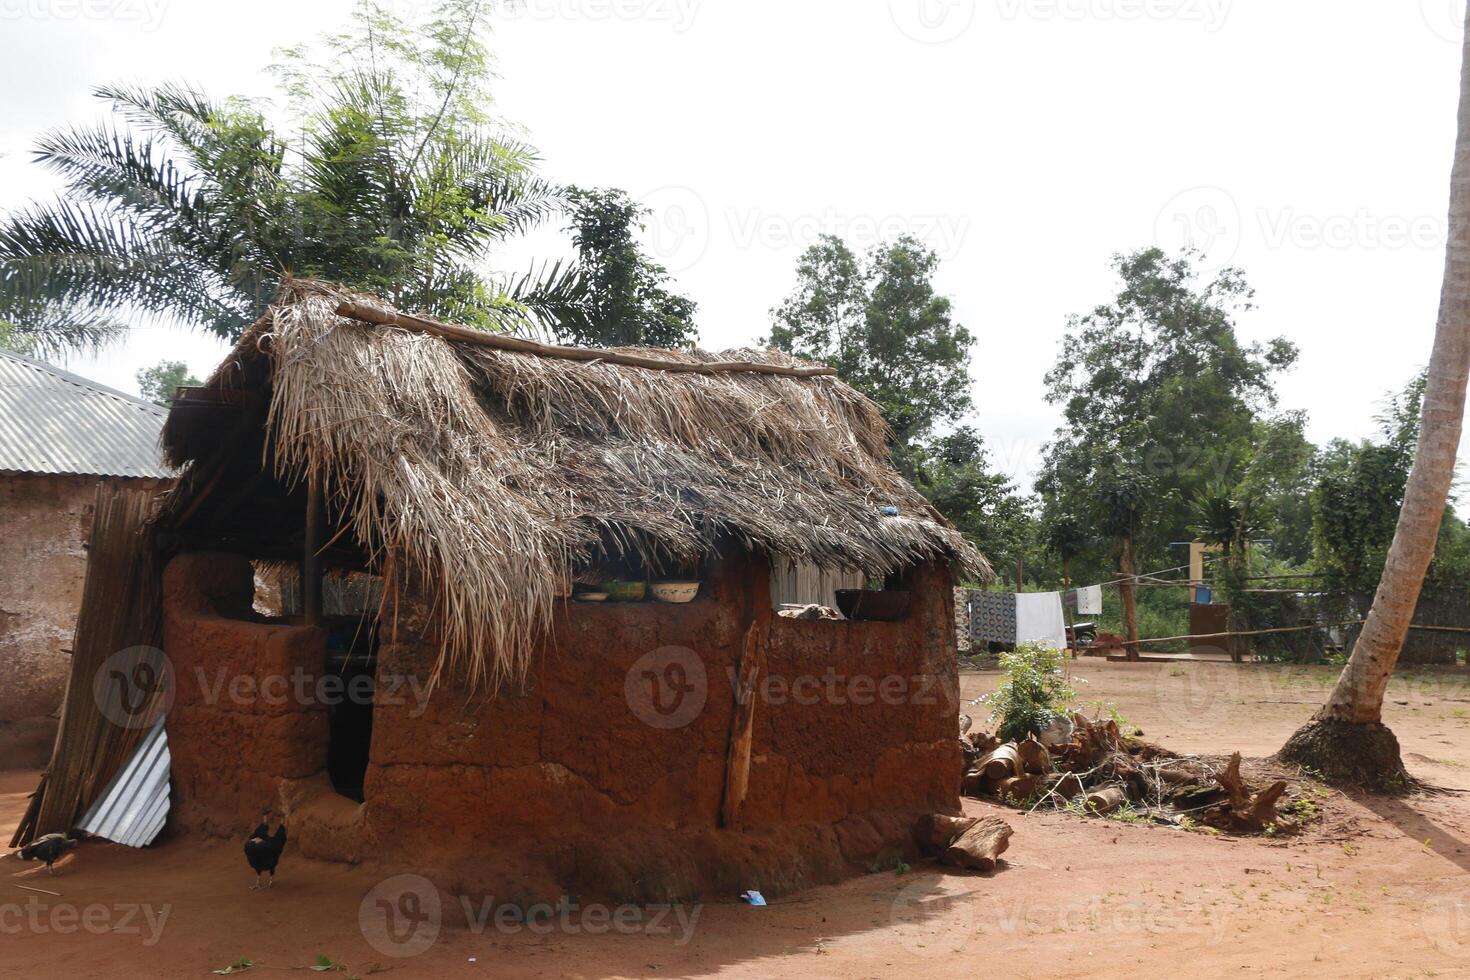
548 299
78 255
104 164
182 112
50 330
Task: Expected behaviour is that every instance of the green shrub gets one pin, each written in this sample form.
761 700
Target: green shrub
1032 691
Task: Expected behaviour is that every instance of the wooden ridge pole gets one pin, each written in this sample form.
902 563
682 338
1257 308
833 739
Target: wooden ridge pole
372 314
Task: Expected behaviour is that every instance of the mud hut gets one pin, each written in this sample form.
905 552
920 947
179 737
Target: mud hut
62 438
512 735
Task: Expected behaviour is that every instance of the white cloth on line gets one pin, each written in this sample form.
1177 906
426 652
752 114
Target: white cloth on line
1039 619
1089 601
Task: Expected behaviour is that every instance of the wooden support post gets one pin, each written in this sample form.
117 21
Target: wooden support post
311 559
742 723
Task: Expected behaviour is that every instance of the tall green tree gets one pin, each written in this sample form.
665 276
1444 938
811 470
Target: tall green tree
1160 399
628 299
158 383
390 177
953 471
879 321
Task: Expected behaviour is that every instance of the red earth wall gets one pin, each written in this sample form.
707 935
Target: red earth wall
576 783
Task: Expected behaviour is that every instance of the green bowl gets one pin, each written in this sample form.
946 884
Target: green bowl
619 591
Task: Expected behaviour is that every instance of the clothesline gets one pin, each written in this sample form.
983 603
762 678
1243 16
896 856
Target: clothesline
1135 578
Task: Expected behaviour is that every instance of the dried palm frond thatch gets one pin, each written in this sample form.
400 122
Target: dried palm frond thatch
495 475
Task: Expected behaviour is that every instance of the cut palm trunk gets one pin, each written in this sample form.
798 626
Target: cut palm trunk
1002 763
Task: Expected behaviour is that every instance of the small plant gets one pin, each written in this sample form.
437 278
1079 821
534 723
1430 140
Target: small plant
888 858
1303 809
1032 691
1110 709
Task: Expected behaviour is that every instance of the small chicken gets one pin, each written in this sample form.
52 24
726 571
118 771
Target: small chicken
263 850
47 849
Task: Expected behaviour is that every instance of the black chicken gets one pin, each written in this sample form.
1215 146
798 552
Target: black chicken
263 850
47 849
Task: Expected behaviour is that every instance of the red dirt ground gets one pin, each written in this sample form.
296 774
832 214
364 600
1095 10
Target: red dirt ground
1377 889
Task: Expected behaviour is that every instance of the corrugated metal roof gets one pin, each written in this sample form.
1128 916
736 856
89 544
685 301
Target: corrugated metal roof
133 807
52 421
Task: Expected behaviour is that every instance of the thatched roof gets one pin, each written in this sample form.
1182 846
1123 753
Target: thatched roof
494 474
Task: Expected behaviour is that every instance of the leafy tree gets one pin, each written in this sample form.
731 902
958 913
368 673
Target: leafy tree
157 383
628 298
1067 537
953 472
878 320
1355 506
1277 485
1160 399
392 178
1124 495
17 341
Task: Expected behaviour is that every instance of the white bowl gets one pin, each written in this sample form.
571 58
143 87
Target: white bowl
675 591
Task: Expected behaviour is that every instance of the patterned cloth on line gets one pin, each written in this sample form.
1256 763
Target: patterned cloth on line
992 618
1089 601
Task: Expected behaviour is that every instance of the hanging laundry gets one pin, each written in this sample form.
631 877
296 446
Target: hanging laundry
992 618
1039 619
1089 601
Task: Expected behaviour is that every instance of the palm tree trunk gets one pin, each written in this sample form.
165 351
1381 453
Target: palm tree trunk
1125 589
1354 711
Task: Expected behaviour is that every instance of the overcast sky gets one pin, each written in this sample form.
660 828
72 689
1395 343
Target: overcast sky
1025 140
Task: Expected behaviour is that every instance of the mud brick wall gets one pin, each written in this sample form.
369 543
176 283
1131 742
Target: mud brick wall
236 730
575 782
570 777
43 563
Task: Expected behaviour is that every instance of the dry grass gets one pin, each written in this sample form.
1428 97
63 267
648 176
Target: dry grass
495 477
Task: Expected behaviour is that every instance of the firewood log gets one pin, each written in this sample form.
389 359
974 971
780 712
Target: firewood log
1106 800
1067 785
981 845
1016 788
1034 757
938 831
983 741
1002 762
974 783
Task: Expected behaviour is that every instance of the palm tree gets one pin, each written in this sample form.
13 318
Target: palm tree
1346 740
1223 517
393 181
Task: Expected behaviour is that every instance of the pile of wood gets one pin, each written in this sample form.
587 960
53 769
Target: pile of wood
1105 771
966 842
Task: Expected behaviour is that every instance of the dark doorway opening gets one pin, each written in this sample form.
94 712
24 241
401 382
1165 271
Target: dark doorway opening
350 710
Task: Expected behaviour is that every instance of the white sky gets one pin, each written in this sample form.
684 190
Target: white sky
1025 140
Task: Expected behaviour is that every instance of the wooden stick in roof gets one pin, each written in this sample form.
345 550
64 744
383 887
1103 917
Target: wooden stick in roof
371 314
